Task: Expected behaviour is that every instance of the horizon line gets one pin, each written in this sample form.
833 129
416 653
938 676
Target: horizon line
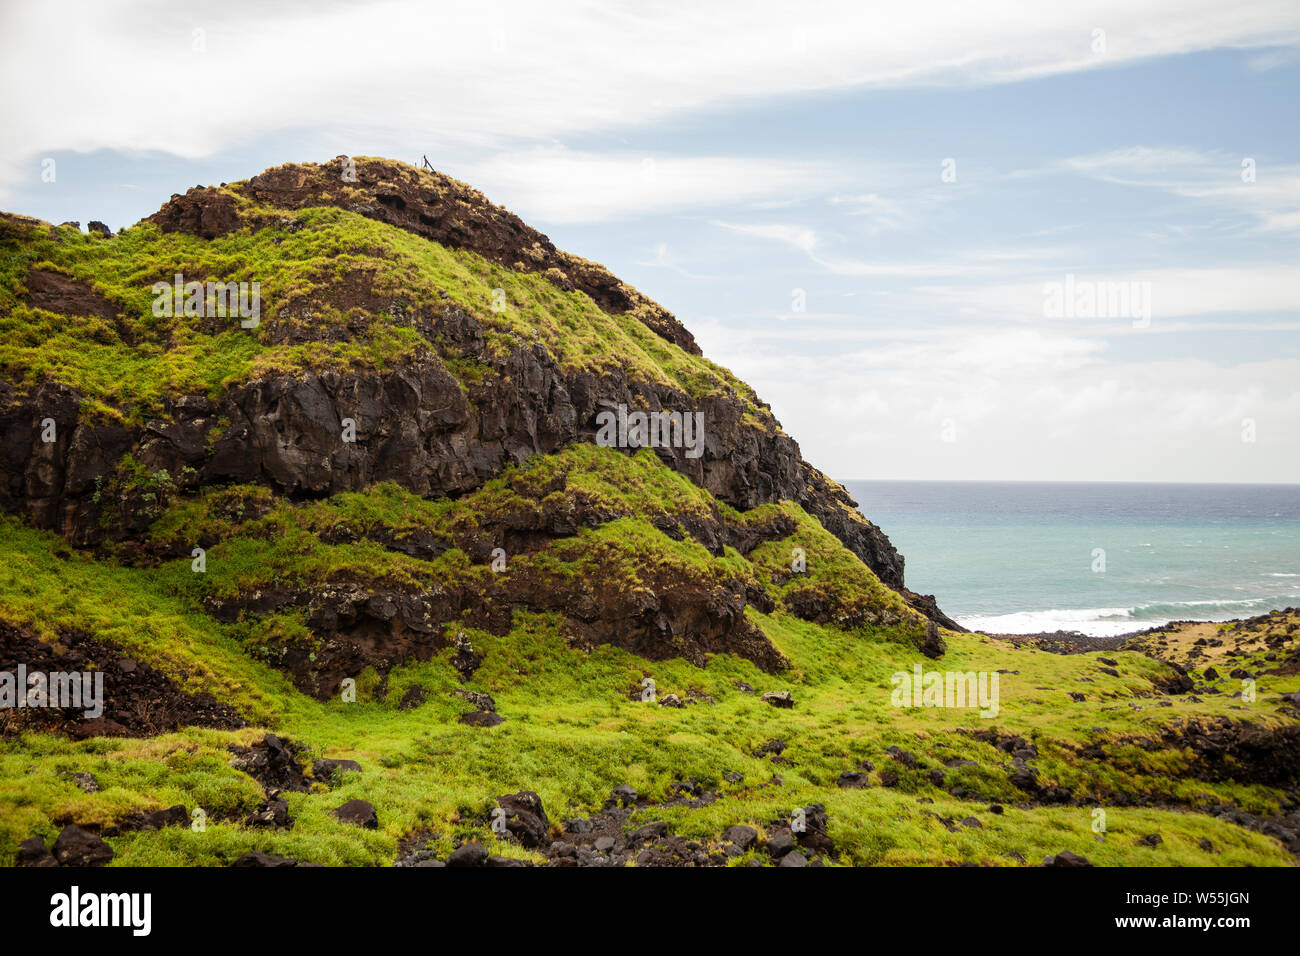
1076 481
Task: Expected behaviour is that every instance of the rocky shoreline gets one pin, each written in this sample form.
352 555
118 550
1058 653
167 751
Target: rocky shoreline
1076 642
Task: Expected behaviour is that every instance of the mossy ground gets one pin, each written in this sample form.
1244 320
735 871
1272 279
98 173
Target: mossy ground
571 732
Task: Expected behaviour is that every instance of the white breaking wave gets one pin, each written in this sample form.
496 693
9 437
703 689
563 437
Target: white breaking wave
1095 622
1110 621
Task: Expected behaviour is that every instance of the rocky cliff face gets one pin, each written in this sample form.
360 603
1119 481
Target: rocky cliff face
416 422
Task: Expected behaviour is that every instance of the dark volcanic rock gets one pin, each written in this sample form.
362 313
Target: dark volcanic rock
1025 778
413 698
175 816
1176 682
359 813
465 659
1250 753
272 763
469 854
526 819
480 701
933 646
815 836
624 796
1066 859
272 814
741 836
781 843
77 847
32 852
482 718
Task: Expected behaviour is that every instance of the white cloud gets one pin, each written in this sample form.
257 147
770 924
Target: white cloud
1271 197
971 264
1241 290
126 76
1027 404
557 185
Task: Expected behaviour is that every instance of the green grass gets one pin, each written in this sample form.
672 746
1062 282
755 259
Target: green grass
343 292
572 734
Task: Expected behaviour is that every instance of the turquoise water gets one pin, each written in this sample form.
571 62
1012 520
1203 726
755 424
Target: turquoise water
1018 557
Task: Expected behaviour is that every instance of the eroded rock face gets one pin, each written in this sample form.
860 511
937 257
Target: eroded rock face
65 295
414 425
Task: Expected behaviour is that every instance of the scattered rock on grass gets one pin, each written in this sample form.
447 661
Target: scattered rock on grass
526 818
77 847
360 813
482 718
741 836
468 854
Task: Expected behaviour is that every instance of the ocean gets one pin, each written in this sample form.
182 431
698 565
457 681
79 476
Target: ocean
1100 558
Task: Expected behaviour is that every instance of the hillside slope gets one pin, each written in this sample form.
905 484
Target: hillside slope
373 519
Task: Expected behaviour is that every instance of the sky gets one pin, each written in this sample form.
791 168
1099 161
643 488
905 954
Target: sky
998 241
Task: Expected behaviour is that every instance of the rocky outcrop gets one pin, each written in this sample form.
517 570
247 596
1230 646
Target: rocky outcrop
420 426
414 425
743 466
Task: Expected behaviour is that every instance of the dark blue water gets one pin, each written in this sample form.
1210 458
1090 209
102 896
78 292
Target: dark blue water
1021 557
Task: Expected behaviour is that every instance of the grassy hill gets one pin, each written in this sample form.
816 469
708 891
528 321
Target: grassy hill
468 599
